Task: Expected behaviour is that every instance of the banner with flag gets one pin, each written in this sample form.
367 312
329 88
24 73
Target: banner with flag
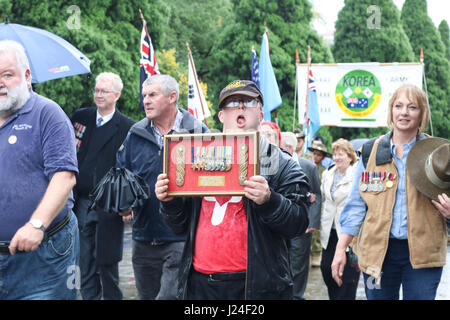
255 68
148 64
355 94
197 105
313 118
268 82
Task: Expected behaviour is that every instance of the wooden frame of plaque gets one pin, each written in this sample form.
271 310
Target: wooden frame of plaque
210 164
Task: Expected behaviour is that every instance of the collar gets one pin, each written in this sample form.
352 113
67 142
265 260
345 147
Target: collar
105 118
384 151
176 125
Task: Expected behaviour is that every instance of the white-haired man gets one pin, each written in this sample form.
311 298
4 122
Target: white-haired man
39 242
156 249
99 132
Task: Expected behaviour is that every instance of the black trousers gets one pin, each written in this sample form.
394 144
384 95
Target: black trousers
203 287
350 277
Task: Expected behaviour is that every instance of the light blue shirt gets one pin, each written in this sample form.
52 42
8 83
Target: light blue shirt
354 211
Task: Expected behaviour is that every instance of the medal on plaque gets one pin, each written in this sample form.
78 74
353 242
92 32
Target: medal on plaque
180 165
363 185
243 163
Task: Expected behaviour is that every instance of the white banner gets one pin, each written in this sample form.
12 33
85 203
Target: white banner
355 94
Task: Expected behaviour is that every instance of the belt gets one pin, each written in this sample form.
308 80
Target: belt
223 276
4 245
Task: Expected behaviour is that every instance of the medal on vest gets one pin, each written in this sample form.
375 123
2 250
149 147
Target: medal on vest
363 186
390 182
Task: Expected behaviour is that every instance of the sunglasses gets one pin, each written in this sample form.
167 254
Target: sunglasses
249 103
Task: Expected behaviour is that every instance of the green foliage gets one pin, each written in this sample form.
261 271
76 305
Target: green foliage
444 31
289 28
423 34
367 33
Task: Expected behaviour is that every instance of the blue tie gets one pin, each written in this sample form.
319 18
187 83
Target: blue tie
99 122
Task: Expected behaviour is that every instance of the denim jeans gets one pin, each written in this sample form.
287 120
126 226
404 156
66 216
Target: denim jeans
417 284
49 273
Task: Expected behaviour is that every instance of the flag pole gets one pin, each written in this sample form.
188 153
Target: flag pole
426 90
306 117
268 46
297 62
197 84
144 23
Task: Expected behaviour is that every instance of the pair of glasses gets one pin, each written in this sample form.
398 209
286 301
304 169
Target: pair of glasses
250 103
101 92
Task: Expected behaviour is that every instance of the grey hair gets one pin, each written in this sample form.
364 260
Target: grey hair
117 84
19 52
167 83
289 139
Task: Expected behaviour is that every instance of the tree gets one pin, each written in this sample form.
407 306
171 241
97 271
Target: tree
108 33
444 31
369 33
288 22
423 34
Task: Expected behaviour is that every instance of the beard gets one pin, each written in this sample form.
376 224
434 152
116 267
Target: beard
15 99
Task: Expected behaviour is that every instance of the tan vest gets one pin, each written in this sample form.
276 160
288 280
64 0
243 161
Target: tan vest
427 235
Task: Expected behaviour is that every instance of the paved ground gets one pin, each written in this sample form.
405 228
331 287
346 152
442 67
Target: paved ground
315 290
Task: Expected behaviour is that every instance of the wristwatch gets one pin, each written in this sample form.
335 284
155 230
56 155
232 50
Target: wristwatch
37 224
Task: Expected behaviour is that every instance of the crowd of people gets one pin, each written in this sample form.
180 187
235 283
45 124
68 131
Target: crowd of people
381 210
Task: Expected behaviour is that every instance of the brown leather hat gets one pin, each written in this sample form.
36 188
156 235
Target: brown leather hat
299 134
244 87
428 167
319 146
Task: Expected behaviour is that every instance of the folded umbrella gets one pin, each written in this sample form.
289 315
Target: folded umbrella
118 191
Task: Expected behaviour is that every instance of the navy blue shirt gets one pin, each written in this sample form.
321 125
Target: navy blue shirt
35 142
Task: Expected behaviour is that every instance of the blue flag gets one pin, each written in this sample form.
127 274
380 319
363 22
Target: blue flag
255 68
268 82
313 124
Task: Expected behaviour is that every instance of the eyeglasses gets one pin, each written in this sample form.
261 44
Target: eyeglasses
234 103
101 92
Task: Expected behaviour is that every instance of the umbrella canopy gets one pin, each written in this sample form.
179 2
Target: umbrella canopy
118 191
50 56
357 143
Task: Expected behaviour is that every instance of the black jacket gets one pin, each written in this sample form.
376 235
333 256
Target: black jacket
270 226
96 153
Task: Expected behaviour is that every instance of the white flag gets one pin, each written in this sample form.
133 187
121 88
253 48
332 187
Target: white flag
197 105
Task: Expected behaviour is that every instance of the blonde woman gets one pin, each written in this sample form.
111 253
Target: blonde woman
402 239
335 188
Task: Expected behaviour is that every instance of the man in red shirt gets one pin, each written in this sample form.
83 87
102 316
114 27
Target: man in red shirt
237 246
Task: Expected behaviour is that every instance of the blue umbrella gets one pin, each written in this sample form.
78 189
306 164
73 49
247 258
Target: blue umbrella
50 57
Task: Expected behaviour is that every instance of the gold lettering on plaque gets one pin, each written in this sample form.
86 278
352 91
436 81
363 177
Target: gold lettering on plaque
211 181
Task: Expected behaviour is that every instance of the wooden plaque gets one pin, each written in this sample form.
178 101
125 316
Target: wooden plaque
210 164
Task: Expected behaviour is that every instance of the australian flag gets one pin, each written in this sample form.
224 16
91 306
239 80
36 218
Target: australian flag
255 68
148 64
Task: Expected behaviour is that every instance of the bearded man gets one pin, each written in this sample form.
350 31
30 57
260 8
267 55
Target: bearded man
39 242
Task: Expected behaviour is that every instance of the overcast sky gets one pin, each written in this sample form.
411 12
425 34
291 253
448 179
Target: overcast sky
329 9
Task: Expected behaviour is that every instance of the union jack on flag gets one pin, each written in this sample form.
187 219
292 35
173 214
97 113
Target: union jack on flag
148 64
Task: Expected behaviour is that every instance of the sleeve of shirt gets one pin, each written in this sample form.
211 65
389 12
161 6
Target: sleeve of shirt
354 211
58 142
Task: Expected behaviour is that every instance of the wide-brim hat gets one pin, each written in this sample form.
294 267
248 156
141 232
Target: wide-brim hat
244 87
319 146
428 167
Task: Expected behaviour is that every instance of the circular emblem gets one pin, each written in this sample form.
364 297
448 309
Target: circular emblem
12 139
389 184
358 93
